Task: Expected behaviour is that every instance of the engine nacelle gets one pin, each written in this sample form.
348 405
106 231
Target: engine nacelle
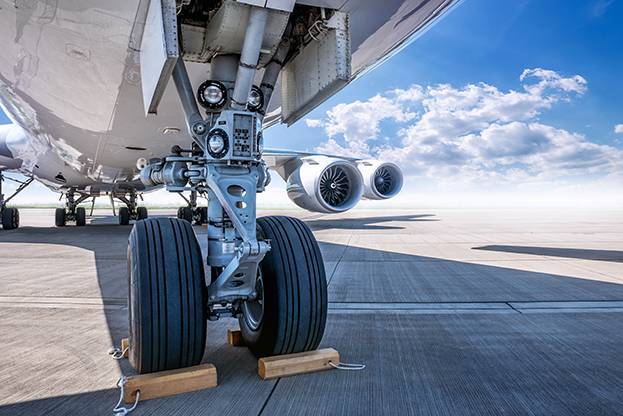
325 184
381 180
10 134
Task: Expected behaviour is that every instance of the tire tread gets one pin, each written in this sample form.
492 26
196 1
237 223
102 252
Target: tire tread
172 331
298 276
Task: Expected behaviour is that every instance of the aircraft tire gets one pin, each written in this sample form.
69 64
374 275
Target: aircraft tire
10 218
142 213
293 287
81 217
124 216
60 217
185 213
167 302
202 213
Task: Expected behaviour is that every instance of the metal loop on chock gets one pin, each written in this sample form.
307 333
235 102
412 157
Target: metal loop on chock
120 410
346 366
118 353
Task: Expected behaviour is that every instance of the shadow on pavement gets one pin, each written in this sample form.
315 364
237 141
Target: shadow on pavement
571 253
367 223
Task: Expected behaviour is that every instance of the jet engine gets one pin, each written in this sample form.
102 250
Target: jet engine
381 180
325 184
9 135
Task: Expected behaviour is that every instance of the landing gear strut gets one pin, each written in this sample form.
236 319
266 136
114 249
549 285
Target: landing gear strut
192 213
267 273
72 212
10 216
131 211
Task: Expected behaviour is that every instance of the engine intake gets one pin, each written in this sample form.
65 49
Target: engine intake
382 180
325 184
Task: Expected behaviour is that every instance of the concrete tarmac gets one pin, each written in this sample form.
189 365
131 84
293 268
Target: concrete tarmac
472 312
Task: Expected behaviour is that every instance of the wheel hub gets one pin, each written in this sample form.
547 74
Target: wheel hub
253 310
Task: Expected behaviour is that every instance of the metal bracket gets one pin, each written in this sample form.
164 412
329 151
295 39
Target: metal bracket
236 194
237 281
235 189
20 188
159 51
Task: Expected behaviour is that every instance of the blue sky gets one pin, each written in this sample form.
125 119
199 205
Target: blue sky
552 130
493 41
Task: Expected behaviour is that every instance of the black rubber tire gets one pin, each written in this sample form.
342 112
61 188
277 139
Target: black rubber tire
141 213
168 299
201 214
185 213
81 217
10 218
124 216
60 217
295 291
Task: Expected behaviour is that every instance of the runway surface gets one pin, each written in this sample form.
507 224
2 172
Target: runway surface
453 312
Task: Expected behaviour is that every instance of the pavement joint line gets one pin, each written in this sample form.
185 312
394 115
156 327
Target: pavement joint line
484 302
61 300
513 308
340 259
268 398
33 305
475 307
455 259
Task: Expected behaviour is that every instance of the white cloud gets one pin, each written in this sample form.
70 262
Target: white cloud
477 133
548 79
359 122
313 123
618 129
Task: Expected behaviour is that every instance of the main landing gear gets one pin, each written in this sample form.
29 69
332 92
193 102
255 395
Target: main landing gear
72 212
10 216
268 273
131 210
192 213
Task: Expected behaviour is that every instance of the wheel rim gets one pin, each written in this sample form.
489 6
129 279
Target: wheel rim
253 311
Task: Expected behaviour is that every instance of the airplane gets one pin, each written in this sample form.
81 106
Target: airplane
122 97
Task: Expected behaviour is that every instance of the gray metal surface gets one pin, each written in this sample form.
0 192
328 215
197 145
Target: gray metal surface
465 365
532 324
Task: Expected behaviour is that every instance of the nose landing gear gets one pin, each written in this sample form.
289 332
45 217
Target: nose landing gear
268 272
283 312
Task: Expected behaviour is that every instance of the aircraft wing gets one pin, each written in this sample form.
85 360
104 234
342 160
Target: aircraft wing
378 29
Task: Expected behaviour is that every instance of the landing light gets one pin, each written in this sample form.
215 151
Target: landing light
260 142
212 95
141 162
217 143
256 99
